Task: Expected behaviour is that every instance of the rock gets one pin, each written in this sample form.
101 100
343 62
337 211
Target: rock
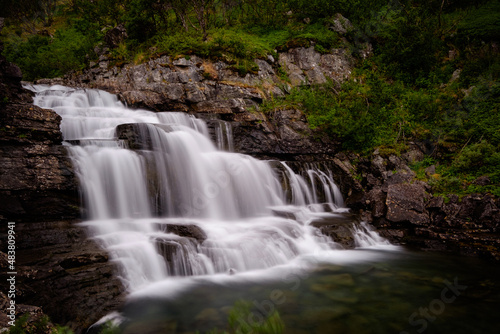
482 181
431 170
340 24
338 229
182 62
379 165
193 93
397 177
405 203
57 265
283 132
456 75
208 316
229 107
414 154
377 199
307 66
293 71
337 65
116 36
188 231
435 203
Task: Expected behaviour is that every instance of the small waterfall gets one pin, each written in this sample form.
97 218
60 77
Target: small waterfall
164 200
224 136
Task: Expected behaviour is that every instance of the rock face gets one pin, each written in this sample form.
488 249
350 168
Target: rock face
305 65
404 211
212 90
56 265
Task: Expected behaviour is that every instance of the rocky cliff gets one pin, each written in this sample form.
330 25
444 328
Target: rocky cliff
214 91
59 271
404 210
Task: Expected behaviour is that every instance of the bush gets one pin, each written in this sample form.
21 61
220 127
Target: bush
478 159
482 108
46 57
365 113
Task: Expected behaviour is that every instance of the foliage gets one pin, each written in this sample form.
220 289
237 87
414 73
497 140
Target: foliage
481 22
482 109
109 328
406 42
478 159
46 57
364 113
41 326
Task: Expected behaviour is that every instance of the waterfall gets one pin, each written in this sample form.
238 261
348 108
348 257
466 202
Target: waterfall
165 200
224 136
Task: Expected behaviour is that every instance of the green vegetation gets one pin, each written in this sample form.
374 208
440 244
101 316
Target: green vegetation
403 93
41 326
243 320
236 32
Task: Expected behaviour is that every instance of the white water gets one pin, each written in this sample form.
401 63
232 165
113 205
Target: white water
254 217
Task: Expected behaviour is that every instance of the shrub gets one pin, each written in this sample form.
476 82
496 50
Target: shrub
45 57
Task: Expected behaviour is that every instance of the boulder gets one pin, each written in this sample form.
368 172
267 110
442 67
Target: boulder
339 229
116 36
405 203
340 24
186 230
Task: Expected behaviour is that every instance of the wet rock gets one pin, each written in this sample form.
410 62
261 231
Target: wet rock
411 216
189 231
339 229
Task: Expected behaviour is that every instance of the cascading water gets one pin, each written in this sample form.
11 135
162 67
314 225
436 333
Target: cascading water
145 174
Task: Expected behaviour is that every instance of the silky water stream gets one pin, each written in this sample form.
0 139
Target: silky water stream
195 228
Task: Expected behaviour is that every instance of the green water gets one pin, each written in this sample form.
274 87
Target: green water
377 292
